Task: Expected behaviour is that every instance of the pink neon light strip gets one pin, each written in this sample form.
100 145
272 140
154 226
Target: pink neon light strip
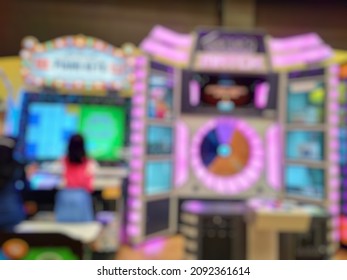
181 166
262 92
273 140
166 35
194 93
295 42
158 49
305 56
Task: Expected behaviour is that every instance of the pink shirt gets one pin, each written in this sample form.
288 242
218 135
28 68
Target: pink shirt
78 175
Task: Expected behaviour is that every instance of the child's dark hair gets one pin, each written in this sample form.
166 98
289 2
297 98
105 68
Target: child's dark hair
76 150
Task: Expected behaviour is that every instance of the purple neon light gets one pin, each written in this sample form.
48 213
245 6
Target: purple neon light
134 204
232 184
134 217
194 206
168 36
154 246
136 164
135 190
136 138
141 61
136 178
224 131
136 151
136 125
139 87
137 112
140 74
262 95
133 230
194 93
181 154
294 42
158 49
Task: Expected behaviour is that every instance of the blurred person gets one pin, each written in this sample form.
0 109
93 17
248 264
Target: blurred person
74 203
78 169
12 178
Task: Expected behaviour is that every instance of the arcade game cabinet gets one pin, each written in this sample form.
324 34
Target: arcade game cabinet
76 84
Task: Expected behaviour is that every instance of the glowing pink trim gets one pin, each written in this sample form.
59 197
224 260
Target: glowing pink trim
136 164
135 190
307 56
231 184
154 246
295 42
182 162
168 36
194 93
262 92
274 156
334 196
160 50
137 125
139 87
136 178
133 230
137 112
136 138
134 217
136 151
141 61
134 204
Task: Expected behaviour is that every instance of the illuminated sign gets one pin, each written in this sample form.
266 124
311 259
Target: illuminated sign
222 50
77 62
230 62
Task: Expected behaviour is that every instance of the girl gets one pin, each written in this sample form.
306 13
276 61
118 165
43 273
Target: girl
78 169
74 203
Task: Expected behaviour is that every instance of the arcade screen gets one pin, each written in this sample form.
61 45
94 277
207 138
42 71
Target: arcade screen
306 101
158 178
49 121
305 145
160 93
305 182
226 92
159 140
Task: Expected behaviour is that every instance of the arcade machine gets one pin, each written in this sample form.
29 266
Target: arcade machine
75 84
231 131
306 226
149 197
228 109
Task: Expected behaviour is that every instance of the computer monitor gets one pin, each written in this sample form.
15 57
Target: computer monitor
48 120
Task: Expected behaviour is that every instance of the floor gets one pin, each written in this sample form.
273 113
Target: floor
170 249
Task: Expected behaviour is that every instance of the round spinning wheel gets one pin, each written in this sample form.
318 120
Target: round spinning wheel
227 155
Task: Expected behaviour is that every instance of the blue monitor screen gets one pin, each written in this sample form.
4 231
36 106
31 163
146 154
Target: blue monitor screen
47 125
305 182
159 140
158 178
305 145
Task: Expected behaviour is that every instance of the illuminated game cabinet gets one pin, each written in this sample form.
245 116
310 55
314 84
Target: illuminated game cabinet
151 179
252 126
227 112
75 84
